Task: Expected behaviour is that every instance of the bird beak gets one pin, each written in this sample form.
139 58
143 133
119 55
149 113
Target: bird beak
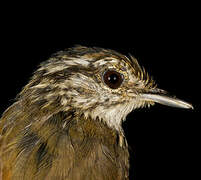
162 97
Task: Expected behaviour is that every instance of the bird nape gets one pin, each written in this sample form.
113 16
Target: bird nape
66 123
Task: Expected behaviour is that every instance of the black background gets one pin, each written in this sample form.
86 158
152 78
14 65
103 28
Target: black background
165 38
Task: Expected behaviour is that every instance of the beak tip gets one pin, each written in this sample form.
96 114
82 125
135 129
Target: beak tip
191 107
188 106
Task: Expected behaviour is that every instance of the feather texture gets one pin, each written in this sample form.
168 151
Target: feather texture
66 122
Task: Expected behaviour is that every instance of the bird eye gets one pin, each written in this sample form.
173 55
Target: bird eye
113 79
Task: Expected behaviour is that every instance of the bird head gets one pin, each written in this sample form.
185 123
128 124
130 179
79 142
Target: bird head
98 83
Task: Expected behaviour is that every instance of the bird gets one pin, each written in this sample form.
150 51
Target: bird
66 123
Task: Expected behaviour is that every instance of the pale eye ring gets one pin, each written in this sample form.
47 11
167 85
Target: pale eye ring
113 79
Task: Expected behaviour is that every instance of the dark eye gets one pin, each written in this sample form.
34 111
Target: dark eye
113 79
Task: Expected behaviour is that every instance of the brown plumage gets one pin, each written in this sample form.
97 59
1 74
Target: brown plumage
66 122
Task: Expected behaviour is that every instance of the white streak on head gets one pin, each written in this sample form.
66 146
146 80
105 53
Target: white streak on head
64 101
41 85
105 61
70 61
77 61
54 69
